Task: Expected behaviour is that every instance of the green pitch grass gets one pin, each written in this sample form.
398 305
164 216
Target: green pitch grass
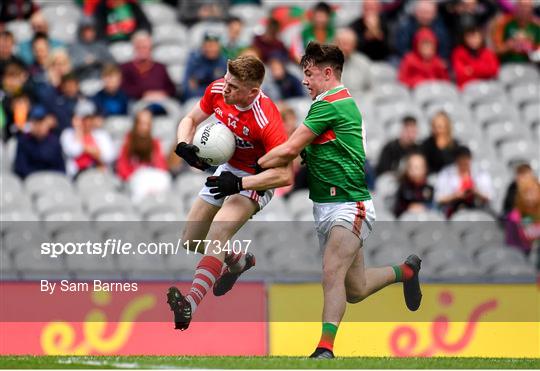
264 362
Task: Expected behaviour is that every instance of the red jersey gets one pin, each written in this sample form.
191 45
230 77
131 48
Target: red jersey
257 128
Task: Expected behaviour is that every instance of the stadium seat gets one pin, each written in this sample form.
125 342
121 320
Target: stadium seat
183 264
440 258
388 92
63 19
390 255
382 72
513 152
159 13
517 73
170 105
525 93
170 53
109 202
250 14
434 235
495 111
60 221
57 202
176 72
430 92
122 51
531 114
169 33
96 181
298 202
92 267
32 261
465 221
30 236
489 258
300 106
197 31
395 111
508 271
90 87
14 200
188 185
21 30
163 202
117 216
118 127
499 132
478 92
455 109
462 272
7 266
484 234
46 182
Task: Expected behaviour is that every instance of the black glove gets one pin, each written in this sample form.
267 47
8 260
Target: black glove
259 169
303 156
225 184
189 153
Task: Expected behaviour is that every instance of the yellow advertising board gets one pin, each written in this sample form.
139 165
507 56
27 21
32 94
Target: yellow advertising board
475 320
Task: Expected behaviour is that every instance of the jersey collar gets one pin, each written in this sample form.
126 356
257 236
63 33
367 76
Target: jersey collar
333 90
243 109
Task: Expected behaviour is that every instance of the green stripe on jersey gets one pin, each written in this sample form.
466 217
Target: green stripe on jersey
335 159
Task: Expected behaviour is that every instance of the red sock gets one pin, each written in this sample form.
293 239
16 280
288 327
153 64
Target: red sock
207 272
403 272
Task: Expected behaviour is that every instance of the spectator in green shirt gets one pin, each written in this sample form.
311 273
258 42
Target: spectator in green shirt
321 26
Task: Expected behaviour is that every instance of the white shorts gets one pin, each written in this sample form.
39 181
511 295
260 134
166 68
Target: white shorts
346 214
262 201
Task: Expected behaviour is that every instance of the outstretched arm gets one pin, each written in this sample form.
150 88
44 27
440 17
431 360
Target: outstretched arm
285 153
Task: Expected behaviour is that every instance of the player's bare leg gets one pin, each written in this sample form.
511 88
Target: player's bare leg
235 211
339 252
362 282
343 251
199 220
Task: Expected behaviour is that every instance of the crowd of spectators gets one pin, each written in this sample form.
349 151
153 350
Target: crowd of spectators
58 128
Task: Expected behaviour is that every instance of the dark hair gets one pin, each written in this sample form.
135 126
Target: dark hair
233 19
7 34
408 120
463 151
70 76
140 147
323 55
523 168
40 36
322 7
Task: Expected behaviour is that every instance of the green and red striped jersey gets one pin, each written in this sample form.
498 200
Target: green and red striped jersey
335 159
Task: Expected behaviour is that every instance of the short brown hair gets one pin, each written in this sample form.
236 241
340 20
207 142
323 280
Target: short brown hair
110 69
323 55
247 69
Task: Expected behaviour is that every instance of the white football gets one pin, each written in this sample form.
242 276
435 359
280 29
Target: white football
216 143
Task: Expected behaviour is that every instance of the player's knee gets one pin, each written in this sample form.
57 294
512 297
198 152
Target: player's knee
354 299
356 295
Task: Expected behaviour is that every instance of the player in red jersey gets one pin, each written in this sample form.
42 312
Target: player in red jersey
238 102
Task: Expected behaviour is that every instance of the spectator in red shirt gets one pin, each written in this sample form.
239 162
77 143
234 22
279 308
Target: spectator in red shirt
139 148
268 44
422 63
143 77
472 60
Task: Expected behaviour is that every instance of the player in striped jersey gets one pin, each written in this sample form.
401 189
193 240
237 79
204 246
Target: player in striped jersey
334 141
238 102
